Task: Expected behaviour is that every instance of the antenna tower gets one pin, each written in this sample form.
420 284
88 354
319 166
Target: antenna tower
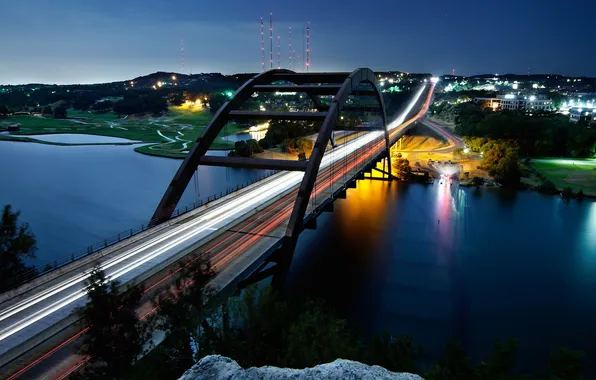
262 46
182 55
291 51
271 40
278 54
308 46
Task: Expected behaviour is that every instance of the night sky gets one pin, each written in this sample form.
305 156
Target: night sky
76 41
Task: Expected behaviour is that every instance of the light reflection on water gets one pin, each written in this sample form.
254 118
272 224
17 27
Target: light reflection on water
443 262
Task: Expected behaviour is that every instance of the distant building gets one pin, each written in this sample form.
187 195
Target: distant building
513 102
583 115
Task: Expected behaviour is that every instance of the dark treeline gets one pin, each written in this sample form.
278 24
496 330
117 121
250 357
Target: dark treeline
28 97
261 328
538 134
134 103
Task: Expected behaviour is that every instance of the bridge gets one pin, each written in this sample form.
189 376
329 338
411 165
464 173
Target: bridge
247 235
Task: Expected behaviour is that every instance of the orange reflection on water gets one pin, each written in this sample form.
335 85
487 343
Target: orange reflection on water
368 209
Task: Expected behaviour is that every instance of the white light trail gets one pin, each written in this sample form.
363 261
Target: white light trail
222 213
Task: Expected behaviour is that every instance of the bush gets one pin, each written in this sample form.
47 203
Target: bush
297 145
246 148
547 187
477 181
568 193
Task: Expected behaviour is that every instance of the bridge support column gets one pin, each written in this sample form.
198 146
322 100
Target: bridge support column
282 268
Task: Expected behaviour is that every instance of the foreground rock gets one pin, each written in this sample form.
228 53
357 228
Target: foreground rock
219 368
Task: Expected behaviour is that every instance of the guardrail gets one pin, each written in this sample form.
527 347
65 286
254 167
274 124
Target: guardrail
40 270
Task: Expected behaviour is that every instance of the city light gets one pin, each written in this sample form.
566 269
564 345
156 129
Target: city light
159 83
173 77
434 79
535 85
509 96
515 86
229 94
532 98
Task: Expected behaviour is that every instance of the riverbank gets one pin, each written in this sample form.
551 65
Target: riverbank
169 136
575 174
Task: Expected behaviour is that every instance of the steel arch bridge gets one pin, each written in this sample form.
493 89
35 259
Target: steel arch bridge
340 85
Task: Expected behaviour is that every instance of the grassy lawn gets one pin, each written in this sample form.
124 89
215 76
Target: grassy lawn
171 135
575 173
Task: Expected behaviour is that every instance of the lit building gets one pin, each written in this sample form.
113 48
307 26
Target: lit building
513 102
584 115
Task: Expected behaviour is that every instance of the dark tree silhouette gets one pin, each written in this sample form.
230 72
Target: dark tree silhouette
60 112
16 243
115 338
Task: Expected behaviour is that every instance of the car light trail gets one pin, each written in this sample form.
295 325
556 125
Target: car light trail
234 208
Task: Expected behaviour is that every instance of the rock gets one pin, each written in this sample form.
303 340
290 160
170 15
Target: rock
216 367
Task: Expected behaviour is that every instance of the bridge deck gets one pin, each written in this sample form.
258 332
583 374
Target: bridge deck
236 233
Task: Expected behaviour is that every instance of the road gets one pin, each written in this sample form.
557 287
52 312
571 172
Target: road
225 231
455 141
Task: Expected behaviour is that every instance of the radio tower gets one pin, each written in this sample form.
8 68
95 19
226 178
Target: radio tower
291 58
182 55
278 54
308 46
262 46
271 40
302 63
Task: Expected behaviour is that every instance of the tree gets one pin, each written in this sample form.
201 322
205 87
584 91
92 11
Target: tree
180 312
176 99
4 110
402 165
279 131
246 148
297 145
397 354
477 181
82 104
60 112
103 106
317 337
115 337
216 100
47 110
567 193
565 364
16 243
547 187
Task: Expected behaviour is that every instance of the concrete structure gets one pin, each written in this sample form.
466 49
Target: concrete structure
512 102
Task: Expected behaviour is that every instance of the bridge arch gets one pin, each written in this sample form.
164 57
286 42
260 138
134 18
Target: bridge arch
341 85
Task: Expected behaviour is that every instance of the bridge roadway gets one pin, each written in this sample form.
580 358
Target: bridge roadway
233 233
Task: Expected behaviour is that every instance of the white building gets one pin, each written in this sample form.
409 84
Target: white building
577 114
513 102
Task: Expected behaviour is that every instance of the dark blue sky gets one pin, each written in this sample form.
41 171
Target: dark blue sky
76 41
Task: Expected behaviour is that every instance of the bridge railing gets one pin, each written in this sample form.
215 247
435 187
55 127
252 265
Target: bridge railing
42 269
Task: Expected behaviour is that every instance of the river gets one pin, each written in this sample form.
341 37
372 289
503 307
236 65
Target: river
443 262
75 196
435 261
